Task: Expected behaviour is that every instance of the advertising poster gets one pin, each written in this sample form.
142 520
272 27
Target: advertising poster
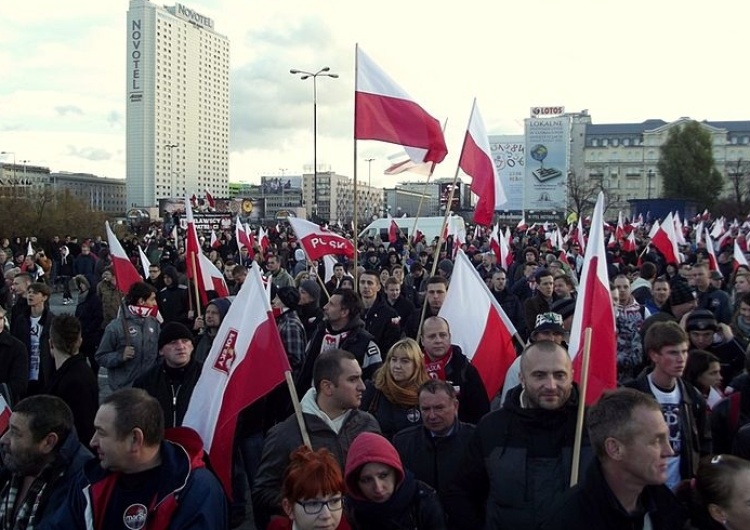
546 171
509 156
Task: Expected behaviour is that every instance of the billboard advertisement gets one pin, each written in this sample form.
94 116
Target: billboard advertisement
509 157
281 185
546 171
445 193
219 217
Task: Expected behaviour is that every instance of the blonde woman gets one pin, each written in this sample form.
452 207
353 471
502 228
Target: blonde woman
393 396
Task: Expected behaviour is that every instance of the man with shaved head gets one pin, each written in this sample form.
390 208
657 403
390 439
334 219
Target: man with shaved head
519 459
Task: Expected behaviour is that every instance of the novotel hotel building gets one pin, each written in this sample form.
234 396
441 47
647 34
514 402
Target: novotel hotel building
177 104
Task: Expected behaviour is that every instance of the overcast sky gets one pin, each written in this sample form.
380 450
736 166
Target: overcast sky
62 72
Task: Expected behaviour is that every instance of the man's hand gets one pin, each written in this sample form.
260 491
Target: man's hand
128 353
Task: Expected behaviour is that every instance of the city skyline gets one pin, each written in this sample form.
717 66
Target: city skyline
64 107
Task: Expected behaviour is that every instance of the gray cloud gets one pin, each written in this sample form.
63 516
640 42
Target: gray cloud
64 110
114 118
268 104
89 153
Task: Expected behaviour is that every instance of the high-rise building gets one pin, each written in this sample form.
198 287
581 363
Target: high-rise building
177 104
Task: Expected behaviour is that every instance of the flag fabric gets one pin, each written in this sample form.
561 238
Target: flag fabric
718 228
506 256
174 235
739 257
476 161
666 242
242 238
194 200
318 242
215 243
329 262
403 162
125 272
594 310
392 230
263 242
699 233
251 240
612 241
247 361
580 237
145 262
479 325
629 245
495 237
521 226
29 249
192 245
417 237
713 263
383 111
5 413
211 279
679 234
620 230
654 229
210 200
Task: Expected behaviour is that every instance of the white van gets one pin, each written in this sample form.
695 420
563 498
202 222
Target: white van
429 226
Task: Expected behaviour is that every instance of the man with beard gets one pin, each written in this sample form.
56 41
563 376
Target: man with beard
41 456
519 459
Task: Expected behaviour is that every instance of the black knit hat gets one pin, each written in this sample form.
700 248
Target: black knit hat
173 331
701 320
681 293
289 296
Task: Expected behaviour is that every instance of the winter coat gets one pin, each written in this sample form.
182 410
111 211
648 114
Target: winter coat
472 396
89 312
76 385
111 300
391 417
173 395
14 366
384 324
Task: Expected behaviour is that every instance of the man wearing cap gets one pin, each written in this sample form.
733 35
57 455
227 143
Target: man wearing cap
707 334
717 279
208 326
519 459
173 379
309 310
710 297
682 405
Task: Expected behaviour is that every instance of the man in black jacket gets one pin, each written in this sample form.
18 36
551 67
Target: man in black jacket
519 460
508 301
624 487
173 380
381 320
446 361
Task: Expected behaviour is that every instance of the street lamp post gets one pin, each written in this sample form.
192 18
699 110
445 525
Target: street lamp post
369 171
25 181
13 182
171 169
323 72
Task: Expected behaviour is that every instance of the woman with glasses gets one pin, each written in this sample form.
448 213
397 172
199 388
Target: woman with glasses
384 496
312 493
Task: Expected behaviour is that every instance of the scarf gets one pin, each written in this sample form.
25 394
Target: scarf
743 328
436 368
25 514
400 502
144 310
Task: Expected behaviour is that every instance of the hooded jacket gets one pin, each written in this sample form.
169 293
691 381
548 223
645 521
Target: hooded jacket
189 497
173 300
516 465
413 504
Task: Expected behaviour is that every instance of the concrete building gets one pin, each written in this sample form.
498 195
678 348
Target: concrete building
99 193
16 180
336 198
177 104
399 201
436 195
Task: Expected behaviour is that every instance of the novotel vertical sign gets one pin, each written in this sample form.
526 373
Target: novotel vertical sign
135 87
193 16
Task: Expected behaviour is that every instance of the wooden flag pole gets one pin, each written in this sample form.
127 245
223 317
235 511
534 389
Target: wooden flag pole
297 409
195 285
581 407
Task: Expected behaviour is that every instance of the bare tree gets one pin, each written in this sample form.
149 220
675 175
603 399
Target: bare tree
738 174
583 192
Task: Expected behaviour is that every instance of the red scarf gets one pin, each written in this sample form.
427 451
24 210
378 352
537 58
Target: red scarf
436 369
144 310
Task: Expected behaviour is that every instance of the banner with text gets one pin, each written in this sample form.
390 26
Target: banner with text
509 156
547 144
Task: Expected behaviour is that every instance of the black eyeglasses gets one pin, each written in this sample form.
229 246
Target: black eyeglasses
315 507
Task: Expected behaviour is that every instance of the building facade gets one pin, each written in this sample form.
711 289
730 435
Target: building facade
99 193
336 198
177 104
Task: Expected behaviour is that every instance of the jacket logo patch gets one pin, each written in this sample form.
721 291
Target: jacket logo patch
134 517
227 354
133 331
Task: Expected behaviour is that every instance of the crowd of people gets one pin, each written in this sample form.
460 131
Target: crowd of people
402 431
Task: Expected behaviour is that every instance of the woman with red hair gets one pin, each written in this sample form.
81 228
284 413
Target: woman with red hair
312 493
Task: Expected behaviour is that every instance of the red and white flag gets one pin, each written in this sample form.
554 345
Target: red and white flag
247 361
679 234
654 229
629 245
210 200
125 272
718 228
476 161
521 226
739 257
211 279
402 162
215 243
713 263
417 237
580 237
620 230
699 233
392 230
145 262
5 413
479 325
30 249
263 239
594 310
666 242
385 112
243 240
318 242
495 236
506 256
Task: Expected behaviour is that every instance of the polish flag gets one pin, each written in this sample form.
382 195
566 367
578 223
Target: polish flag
666 242
679 235
718 228
495 236
383 111
594 310
5 413
654 229
713 263
175 236
251 238
329 262
194 200
739 257
699 233
211 279
403 162
318 242
242 238
417 237
210 200
476 161
247 361
263 239
392 230
145 262
215 243
629 245
125 272
506 256
479 325
620 230
29 249
521 226
581 238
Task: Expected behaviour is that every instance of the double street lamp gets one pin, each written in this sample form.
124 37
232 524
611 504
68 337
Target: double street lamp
323 72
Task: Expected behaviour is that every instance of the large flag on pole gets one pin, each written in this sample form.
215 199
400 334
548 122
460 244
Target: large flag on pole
476 161
479 325
125 272
247 361
665 240
739 257
318 242
211 279
713 263
145 262
385 112
594 310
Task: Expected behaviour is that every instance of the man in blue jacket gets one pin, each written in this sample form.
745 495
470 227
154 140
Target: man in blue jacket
140 475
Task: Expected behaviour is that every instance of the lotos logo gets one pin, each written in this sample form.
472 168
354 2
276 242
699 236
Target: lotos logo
227 354
135 516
